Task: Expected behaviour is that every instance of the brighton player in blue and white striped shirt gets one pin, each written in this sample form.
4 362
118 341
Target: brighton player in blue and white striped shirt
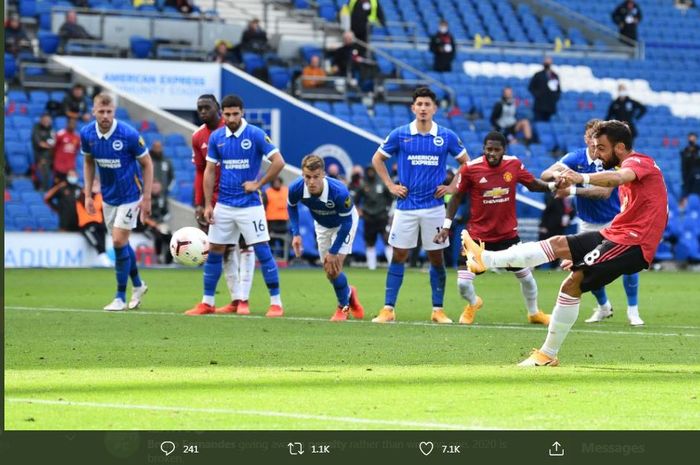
596 207
239 149
335 221
421 149
118 150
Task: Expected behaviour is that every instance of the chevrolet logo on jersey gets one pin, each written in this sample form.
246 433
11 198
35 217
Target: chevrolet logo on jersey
497 192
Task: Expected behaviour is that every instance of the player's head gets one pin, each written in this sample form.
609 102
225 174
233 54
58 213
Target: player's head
313 170
507 94
494 147
232 111
71 124
612 139
208 109
692 138
103 107
588 135
424 104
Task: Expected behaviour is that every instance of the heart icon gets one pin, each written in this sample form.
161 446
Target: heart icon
426 448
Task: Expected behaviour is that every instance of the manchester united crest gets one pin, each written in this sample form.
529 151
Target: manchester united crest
507 176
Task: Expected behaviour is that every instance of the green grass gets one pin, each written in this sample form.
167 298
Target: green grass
69 365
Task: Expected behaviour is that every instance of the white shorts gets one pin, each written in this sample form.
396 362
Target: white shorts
231 222
408 223
123 216
325 237
585 226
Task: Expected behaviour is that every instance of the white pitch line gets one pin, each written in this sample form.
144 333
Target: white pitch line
631 332
255 413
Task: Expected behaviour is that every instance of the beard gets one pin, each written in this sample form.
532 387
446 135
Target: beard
612 163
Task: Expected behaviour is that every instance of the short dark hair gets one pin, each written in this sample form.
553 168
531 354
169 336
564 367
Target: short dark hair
424 92
312 163
209 97
232 101
497 137
616 131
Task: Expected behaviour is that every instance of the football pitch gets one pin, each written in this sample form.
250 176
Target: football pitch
71 366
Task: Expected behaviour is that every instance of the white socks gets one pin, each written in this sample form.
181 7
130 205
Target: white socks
276 300
246 272
528 286
371 258
607 306
524 255
465 284
231 272
563 318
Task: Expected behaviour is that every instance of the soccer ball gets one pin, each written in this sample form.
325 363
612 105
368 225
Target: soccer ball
189 246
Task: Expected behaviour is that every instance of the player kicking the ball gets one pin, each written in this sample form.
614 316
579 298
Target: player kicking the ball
595 258
335 220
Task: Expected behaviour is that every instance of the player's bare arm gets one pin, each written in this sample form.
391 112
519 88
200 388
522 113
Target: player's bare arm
396 190
591 192
452 207
209 181
147 170
276 165
297 247
603 179
443 190
89 174
537 185
553 172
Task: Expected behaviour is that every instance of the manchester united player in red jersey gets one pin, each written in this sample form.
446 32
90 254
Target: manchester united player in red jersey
491 180
596 258
239 262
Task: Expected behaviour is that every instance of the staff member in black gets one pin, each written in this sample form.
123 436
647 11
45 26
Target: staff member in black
624 109
442 44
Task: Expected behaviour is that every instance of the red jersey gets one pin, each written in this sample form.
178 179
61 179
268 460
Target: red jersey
492 189
65 151
643 207
200 145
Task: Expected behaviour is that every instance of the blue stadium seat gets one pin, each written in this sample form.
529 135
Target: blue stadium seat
10 66
19 165
47 223
140 46
24 222
48 41
279 77
22 184
175 139
17 96
252 61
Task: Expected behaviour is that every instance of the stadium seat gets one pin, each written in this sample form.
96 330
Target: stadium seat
279 77
48 41
10 66
140 46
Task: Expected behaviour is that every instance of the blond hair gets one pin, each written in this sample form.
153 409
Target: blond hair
312 163
103 98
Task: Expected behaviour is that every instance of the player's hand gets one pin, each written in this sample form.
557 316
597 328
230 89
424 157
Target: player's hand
561 193
397 190
145 207
441 191
568 178
208 214
296 246
442 236
90 205
566 265
251 186
199 215
332 264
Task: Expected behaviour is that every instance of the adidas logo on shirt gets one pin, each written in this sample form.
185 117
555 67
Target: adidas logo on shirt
482 181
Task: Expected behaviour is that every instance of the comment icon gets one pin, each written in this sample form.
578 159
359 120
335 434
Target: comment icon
167 447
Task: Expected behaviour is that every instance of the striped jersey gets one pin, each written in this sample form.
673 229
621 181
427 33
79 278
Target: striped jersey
422 161
239 154
594 211
330 209
115 154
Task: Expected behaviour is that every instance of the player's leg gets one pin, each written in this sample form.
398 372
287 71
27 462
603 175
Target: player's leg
465 285
221 232
253 226
604 308
528 287
370 235
431 221
230 266
122 264
528 254
631 284
402 237
348 299
246 271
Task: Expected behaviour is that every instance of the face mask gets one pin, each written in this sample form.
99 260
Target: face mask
547 66
72 179
442 29
355 177
623 93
